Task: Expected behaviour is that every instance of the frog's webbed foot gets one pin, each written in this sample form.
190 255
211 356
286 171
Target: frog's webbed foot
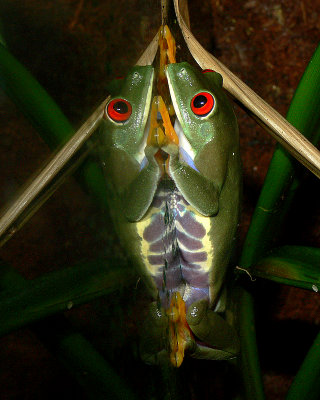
220 340
153 336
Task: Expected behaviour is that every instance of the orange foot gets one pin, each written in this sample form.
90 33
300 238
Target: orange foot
179 331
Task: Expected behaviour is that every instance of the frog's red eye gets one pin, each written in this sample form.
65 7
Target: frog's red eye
204 71
119 110
202 104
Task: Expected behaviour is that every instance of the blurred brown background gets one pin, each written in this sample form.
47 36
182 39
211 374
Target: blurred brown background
74 48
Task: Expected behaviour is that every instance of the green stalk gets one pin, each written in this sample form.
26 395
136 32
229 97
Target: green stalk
57 292
273 204
249 362
33 101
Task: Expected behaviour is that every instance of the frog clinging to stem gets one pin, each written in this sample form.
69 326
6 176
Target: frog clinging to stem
170 148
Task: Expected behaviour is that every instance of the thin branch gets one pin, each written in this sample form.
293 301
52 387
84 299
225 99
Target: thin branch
24 203
150 52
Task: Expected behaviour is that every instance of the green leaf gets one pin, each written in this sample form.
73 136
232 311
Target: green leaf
57 292
291 265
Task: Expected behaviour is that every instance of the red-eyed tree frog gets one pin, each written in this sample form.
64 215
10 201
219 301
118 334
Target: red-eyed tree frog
174 194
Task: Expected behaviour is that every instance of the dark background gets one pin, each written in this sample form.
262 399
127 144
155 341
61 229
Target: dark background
74 48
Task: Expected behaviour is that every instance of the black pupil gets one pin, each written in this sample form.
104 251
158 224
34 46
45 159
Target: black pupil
200 101
120 107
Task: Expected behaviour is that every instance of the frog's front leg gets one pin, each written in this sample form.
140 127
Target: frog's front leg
220 340
201 191
135 186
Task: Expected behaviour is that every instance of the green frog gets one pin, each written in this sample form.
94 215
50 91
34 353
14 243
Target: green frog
174 180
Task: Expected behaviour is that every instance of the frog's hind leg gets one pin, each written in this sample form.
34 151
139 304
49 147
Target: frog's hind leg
217 338
153 336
